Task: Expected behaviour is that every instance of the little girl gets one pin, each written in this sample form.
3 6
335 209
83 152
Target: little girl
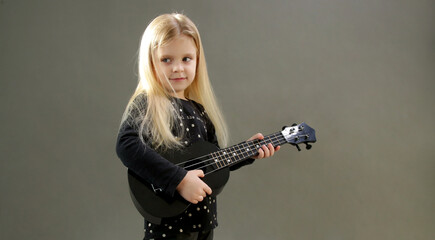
174 106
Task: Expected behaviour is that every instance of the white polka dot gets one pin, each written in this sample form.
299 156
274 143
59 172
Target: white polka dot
199 136
193 125
199 225
190 214
205 207
181 230
197 209
187 129
181 110
163 235
170 227
194 226
185 142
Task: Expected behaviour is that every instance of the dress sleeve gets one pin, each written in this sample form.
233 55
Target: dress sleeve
145 162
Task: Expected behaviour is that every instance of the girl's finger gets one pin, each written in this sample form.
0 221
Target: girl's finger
266 151
271 149
208 190
256 136
260 153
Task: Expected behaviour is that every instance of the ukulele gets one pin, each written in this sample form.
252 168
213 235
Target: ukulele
153 205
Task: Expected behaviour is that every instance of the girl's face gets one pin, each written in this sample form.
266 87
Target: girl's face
176 65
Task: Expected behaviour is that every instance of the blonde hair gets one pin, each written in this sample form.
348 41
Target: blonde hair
158 111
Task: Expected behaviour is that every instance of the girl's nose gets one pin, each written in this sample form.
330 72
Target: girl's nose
178 67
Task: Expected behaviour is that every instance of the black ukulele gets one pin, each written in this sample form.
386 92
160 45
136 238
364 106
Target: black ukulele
154 206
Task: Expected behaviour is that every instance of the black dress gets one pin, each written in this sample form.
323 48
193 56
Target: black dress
151 166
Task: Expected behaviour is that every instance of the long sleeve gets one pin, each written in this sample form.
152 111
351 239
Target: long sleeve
146 162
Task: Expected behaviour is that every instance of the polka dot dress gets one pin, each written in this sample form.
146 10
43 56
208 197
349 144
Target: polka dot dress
197 217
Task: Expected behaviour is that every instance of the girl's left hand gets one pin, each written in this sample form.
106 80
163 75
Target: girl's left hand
264 151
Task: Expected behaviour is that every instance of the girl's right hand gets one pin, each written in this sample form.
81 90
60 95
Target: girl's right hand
192 188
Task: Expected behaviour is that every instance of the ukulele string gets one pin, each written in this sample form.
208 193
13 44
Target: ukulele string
236 153
253 152
253 142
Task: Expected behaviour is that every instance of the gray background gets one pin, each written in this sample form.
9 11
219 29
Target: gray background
360 72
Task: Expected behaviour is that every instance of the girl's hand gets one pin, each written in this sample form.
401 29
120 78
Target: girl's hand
264 151
192 188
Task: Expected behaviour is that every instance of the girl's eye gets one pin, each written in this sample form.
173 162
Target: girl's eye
166 60
187 59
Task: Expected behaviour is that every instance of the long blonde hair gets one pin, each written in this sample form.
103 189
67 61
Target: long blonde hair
158 111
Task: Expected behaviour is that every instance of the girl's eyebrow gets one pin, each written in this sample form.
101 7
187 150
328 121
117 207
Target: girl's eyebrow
189 54
166 56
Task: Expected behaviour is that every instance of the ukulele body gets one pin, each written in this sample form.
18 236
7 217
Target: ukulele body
154 205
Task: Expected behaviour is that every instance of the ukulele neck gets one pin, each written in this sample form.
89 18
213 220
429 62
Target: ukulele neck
242 151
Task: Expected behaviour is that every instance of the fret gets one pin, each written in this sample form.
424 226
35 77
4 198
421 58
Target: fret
230 153
235 153
217 160
224 161
242 151
219 157
273 139
255 145
239 152
246 150
224 155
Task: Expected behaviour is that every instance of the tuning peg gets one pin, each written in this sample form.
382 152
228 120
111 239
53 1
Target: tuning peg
284 127
308 146
297 146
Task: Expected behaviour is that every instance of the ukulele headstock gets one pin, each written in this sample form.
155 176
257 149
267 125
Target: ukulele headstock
297 134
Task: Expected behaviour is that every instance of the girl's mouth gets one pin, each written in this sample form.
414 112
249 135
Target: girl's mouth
178 79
